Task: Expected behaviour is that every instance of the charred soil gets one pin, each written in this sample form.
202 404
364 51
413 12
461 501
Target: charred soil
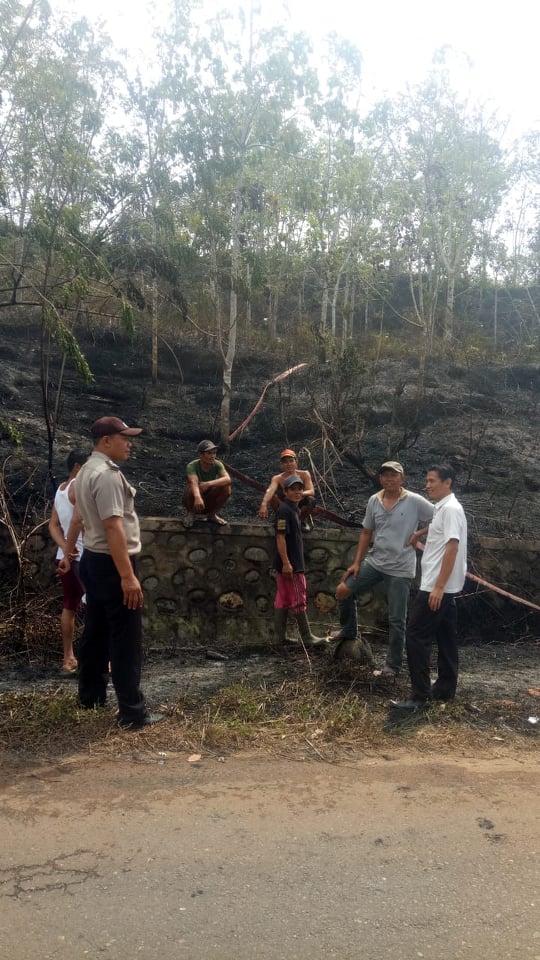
481 417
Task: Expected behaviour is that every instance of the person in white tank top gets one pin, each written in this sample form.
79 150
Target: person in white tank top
72 587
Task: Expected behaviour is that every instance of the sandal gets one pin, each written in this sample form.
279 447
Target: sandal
69 671
219 520
387 673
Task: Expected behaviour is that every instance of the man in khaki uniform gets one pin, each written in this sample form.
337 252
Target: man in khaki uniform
114 598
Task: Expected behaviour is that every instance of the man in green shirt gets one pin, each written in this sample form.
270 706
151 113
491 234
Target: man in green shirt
208 486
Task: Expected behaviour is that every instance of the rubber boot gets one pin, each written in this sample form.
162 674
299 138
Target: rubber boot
280 626
308 639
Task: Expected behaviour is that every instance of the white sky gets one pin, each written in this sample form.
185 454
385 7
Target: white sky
397 39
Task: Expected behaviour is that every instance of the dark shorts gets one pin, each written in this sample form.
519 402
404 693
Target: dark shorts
72 588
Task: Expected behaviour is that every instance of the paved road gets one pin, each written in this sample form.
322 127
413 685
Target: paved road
393 857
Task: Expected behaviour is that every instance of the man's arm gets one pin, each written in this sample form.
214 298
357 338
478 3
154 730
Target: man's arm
198 487
116 539
70 551
309 489
223 481
55 530
447 565
270 492
417 535
281 545
364 541
193 484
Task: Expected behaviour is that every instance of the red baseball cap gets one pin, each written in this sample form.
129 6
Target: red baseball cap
288 453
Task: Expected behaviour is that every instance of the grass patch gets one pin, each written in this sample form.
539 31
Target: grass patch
325 711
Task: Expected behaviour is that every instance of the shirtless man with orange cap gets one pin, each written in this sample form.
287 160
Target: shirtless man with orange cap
275 493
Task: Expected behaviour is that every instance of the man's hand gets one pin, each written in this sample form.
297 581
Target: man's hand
417 535
351 571
132 590
435 598
64 566
263 511
198 503
287 569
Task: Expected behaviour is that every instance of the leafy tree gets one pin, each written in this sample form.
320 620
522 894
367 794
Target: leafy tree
52 114
240 111
452 173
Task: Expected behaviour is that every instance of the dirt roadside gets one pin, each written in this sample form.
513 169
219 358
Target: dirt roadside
411 845
379 856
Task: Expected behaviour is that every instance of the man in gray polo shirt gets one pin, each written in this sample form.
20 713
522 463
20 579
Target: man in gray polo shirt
392 516
113 622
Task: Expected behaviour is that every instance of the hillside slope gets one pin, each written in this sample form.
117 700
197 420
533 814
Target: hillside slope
484 419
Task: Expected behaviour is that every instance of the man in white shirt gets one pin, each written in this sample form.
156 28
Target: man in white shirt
72 588
433 615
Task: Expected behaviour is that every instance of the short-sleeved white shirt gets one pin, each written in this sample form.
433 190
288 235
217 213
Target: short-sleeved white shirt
102 491
393 529
449 523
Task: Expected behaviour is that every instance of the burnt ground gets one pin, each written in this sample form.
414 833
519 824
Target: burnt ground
482 417
495 678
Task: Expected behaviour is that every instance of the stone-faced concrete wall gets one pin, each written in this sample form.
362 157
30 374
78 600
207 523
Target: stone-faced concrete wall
216 585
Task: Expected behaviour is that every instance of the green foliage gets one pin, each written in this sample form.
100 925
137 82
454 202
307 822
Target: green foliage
238 701
11 432
243 182
69 346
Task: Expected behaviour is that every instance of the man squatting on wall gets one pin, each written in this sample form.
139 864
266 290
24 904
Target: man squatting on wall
208 486
275 492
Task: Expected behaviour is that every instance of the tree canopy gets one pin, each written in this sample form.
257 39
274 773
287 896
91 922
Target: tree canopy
235 187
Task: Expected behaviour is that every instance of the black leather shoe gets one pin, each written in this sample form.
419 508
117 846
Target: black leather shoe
440 697
408 704
148 721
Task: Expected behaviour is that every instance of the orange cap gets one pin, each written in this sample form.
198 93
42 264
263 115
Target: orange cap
288 453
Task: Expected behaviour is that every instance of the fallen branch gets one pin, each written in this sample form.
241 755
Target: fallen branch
491 586
319 511
281 376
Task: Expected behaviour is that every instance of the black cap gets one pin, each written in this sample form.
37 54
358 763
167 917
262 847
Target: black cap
294 478
206 446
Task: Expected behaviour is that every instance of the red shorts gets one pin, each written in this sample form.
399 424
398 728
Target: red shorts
72 588
291 593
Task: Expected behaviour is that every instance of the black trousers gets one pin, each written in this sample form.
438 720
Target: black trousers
112 633
424 628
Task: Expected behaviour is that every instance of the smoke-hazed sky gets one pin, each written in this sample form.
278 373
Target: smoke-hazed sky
494 45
